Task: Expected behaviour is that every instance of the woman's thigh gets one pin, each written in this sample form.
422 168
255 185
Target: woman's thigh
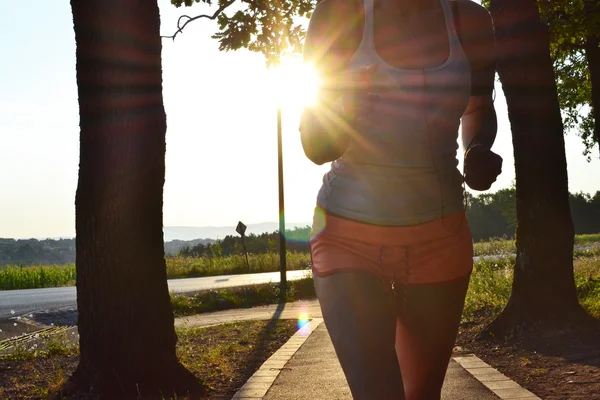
359 312
428 317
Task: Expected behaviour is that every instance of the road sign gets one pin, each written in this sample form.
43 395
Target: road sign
241 228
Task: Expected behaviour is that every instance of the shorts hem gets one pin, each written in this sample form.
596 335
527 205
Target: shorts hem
334 271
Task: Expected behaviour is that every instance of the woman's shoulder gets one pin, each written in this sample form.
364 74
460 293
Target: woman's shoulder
335 9
472 9
333 32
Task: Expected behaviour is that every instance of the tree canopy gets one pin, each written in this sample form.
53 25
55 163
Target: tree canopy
268 27
572 24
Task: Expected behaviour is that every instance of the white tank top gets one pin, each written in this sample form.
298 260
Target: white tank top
401 167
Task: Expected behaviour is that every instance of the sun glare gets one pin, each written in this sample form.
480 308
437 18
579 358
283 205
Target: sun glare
293 84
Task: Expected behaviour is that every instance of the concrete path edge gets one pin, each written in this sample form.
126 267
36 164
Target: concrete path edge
257 386
491 378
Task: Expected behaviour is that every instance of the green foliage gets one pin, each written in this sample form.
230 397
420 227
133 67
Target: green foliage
585 211
216 250
571 23
267 27
33 252
492 215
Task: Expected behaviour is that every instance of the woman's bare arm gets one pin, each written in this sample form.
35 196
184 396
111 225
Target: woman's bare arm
324 129
479 124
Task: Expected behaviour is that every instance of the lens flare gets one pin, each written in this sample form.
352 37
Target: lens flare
303 321
319 221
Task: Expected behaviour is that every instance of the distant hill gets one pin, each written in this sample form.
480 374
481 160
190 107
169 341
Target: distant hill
219 232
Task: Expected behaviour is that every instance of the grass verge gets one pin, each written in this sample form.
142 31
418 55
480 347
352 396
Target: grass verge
223 356
242 297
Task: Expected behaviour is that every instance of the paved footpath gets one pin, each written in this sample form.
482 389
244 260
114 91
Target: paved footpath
315 373
307 368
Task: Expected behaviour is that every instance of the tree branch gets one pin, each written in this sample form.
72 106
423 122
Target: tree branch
190 19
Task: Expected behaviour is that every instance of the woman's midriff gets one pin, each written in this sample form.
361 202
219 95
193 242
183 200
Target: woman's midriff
434 252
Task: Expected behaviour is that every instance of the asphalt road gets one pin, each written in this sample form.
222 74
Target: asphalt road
21 302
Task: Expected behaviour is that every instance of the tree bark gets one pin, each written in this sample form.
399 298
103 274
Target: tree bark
592 54
127 337
543 288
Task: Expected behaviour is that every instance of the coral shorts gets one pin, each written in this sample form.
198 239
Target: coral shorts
434 252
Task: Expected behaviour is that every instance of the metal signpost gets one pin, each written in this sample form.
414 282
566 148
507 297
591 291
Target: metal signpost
241 229
282 249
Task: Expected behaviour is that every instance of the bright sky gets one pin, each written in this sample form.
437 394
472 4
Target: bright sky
221 138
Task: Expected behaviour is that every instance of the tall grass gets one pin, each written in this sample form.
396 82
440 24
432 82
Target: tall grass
42 276
491 283
495 246
186 267
489 288
587 239
587 279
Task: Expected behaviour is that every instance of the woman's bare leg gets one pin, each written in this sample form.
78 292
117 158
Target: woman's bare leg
427 325
358 309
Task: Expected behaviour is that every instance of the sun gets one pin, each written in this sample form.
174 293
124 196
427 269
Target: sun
293 84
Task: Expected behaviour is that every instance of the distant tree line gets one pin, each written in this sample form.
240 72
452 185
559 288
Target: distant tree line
34 252
493 215
296 241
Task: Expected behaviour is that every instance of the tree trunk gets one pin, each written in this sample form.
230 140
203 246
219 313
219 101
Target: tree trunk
127 337
592 54
543 288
